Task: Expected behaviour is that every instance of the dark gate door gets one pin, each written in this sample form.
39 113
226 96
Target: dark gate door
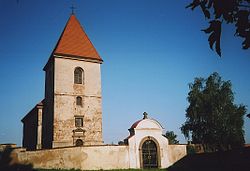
79 142
149 154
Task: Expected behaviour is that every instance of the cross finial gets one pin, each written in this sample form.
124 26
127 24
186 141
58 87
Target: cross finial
145 115
72 9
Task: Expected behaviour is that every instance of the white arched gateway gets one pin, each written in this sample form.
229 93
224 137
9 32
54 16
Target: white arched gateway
148 148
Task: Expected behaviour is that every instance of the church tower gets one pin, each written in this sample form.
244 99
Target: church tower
72 112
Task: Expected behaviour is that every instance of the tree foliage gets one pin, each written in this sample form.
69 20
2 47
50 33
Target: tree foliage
229 11
212 118
171 136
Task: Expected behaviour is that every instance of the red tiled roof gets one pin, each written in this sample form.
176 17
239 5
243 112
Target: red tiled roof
75 42
131 128
135 124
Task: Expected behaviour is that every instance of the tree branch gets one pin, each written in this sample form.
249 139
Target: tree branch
247 6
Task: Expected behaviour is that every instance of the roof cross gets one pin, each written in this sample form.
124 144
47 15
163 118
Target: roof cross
145 115
73 9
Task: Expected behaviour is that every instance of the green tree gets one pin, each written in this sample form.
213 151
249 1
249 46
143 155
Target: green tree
225 11
171 136
212 118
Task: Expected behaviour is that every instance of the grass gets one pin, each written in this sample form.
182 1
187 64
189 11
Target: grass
56 170
102 170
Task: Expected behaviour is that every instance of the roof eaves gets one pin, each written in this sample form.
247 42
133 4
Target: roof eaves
77 57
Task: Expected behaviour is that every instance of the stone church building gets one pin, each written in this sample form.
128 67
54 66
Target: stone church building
71 112
64 130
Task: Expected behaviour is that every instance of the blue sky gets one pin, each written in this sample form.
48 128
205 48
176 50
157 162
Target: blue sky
151 50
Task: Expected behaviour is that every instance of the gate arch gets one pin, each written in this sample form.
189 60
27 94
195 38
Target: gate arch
149 153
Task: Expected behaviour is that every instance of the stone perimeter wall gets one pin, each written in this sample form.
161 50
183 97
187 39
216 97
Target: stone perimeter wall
88 158
176 152
85 158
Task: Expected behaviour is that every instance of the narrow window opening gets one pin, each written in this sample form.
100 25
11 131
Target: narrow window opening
79 121
78 75
79 101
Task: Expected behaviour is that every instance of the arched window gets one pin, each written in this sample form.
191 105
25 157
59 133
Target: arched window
78 75
79 101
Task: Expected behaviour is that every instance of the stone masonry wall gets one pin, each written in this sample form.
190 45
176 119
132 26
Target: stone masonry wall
176 152
84 158
65 108
106 157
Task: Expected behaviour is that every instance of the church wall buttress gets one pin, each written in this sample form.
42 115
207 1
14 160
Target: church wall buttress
48 112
